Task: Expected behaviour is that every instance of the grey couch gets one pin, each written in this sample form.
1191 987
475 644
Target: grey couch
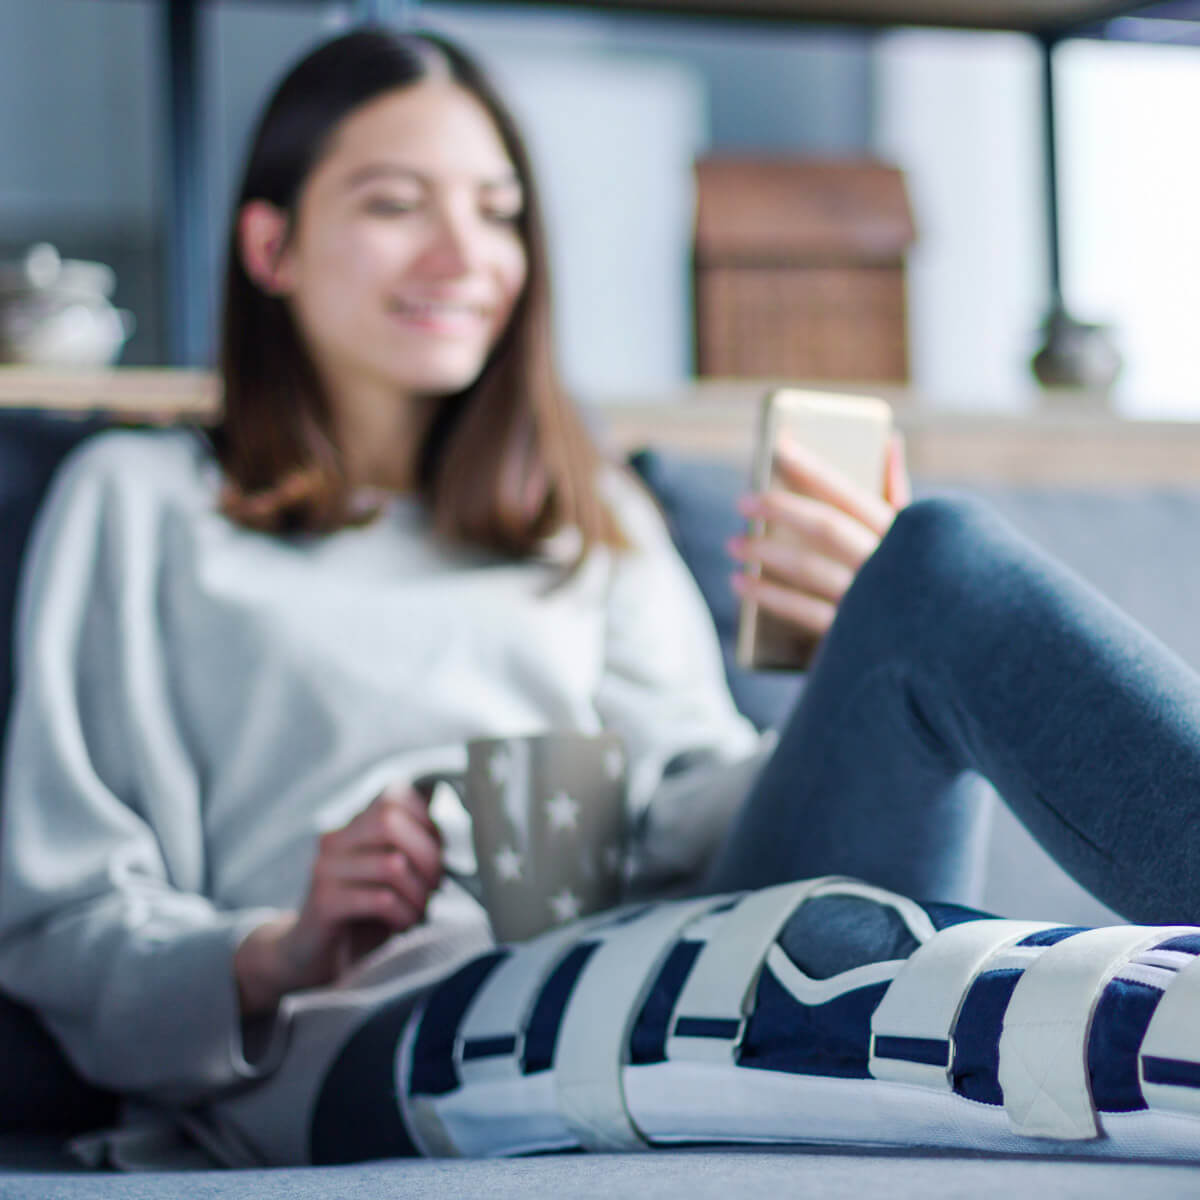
1133 544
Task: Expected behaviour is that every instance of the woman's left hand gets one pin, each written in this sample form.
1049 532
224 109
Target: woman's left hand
824 529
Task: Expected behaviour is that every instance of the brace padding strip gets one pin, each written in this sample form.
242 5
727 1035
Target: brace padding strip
593 1040
1169 1062
911 1030
1043 1044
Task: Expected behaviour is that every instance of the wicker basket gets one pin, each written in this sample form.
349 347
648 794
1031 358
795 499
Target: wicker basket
800 270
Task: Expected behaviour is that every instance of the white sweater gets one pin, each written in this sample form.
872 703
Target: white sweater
197 702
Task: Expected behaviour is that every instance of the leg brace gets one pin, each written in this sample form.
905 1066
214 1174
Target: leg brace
707 1021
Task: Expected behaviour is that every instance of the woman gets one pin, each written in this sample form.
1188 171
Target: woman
236 657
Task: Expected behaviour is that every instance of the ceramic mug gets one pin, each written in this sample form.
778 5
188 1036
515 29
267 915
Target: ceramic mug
548 827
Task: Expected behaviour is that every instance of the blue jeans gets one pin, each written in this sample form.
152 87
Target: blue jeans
961 648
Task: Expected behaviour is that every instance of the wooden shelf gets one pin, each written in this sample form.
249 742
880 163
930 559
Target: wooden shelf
142 393
1047 447
1061 443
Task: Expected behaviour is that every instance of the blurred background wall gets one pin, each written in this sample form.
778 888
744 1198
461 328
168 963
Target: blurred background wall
616 108
80 144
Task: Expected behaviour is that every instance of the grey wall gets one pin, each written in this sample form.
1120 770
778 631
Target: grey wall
79 123
82 146
770 88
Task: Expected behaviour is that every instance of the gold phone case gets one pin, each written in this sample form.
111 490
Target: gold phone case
851 433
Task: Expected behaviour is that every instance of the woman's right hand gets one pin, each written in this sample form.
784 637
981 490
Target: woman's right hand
824 529
371 879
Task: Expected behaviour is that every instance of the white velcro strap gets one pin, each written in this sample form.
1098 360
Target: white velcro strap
911 1031
591 1047
1043 1045
490 1039
709 1018
1169 1061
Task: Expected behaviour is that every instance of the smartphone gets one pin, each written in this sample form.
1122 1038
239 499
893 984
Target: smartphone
851 434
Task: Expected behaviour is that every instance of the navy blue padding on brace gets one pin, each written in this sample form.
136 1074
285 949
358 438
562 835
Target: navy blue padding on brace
935 1052
975 1072
356 1115
942 916
648 1041
546 1019
1174 1072
433 1072
721 1028
829 935
833 1038
1189 943
1118 1030
492 1047
1051 937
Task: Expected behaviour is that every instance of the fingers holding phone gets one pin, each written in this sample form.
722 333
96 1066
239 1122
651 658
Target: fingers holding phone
829 478
897 487
804 472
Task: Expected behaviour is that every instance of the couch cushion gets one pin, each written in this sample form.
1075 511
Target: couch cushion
38 1088
698 498
40 1092
1137 545
748 1173
32 444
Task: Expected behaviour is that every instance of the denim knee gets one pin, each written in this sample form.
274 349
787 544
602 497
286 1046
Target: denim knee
929 567
944 521
939 537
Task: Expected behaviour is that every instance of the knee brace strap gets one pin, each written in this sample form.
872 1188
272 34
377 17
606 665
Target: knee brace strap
1043 1044
1169 1061
591 1050
912 1029
489 1043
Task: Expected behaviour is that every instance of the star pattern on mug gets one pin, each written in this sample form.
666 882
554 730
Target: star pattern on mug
565 906
562 811
508 864
614 763
499 768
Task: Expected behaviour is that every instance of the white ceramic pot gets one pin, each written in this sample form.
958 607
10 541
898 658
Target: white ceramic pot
57 313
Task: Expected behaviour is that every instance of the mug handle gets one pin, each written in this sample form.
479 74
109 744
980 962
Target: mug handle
424 786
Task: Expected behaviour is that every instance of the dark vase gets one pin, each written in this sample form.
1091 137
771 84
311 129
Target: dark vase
1077 355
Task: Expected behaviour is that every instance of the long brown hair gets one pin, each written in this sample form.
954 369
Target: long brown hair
505 462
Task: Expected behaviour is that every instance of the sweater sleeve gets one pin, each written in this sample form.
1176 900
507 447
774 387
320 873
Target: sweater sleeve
103 927
692 755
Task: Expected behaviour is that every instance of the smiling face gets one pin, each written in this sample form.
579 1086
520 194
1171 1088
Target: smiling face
405 260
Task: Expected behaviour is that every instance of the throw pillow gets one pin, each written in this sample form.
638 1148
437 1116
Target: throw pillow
698 498
41 1092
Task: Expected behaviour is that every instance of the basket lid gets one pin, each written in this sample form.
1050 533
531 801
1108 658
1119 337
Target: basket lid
773 210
